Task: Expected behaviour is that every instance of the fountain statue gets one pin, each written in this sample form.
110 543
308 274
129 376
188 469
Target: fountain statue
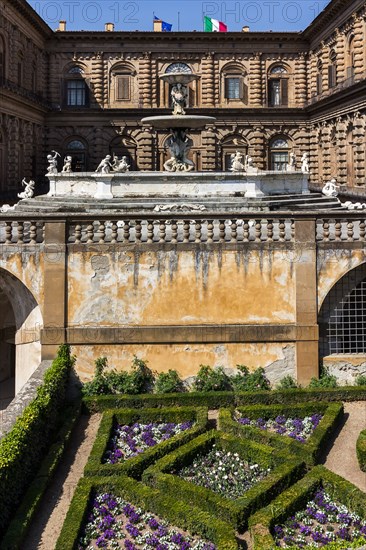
179 122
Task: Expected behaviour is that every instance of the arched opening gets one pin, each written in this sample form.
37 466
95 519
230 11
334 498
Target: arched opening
123 84
350 57
278 86
77 149
342 317
20 324
319 77
332 69
3 161
279 151
229 145
124 146
192 88
76 91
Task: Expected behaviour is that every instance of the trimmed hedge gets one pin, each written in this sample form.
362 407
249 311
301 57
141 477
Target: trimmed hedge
168 507
286 470
215 400
361 450
136 465
19 526
296 497
23 448
309 451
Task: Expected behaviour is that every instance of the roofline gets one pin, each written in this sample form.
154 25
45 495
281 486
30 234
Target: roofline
334 8
32 16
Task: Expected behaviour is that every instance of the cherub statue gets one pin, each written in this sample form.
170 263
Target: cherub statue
28 191
330 188
305 163
67 164
178 95
52 163
105 165
236 164
292 163
121 165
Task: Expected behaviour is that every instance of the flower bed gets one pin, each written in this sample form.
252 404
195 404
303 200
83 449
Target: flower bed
297 428
142 437
116 523
225 473
307 431
321 522
236 496
304 515
129 441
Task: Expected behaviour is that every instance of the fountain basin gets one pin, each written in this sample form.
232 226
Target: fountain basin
165 122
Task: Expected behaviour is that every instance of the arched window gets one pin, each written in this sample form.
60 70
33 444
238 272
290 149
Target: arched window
178 68
124 146
2 59
278 79
3 161
77 149
332 69
234 83
278 153
76 89
350 57
122 83
20 60
342 322
319 77
229 145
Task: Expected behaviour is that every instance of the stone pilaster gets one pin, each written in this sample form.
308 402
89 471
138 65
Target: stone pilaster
340 48
209 149
359 46
340 170
312 71
255 81
98 79
257 148
145 80
207 81
306 301
144 150
359 151
154 82
300 80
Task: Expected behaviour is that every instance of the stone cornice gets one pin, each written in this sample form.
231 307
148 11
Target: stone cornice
32 17
326 17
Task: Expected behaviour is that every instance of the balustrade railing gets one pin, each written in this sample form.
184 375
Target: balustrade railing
341 229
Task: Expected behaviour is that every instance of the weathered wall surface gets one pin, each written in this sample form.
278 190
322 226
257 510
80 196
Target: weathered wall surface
278 359
171 288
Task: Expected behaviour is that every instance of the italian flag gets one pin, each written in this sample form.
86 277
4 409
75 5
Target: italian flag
213 25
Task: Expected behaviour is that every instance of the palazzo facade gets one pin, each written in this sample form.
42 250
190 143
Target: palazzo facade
84 93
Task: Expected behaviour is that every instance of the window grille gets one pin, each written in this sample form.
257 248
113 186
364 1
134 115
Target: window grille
343 315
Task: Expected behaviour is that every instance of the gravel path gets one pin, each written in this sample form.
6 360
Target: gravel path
49 519
342 458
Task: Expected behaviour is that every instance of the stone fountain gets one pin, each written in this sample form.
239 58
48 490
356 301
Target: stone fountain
179 122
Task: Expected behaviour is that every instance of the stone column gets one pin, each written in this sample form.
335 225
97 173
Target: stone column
255 81
300 82
306 301
359 41
207 81
154 83
359 156
312 72
144 150
257 147
145 80
217 88
54 309
98 79
209 149
341 156
340 49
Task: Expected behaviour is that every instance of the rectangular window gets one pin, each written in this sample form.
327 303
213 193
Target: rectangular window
331 76
274 93
350 72
233 88
279 161
20 73
319 83
122 88
75 93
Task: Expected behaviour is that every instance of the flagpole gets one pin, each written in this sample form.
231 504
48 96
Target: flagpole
178 21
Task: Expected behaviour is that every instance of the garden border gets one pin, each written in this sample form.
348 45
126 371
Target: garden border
136 465
361 450
287 470
309 451
296 497
177 513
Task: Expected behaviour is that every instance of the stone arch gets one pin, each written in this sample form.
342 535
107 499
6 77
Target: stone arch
77 147
234 82
124 146
20 326
228 146
342 326
278 150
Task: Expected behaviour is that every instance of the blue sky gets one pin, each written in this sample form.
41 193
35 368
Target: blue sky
130 15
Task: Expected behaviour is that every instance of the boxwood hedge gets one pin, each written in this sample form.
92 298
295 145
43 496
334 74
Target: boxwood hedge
361 450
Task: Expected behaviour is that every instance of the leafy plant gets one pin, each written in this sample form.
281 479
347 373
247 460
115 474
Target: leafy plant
169 382
361 380
250 381
287 383
326 380
209 379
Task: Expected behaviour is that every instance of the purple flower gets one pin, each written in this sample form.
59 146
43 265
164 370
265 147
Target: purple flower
132 530
153 523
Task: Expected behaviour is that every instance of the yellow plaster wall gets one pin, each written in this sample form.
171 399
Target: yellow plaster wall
28 268
185 358
159 288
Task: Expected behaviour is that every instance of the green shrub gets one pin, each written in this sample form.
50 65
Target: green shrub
140 379
23 448
361 450
325 380
169 382
361 380
209 379
249 381
287 383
